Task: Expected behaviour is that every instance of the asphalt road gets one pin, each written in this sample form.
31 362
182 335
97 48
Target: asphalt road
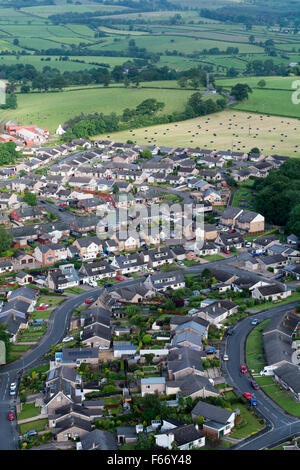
280 425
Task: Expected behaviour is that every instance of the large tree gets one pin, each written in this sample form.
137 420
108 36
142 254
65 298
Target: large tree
5 240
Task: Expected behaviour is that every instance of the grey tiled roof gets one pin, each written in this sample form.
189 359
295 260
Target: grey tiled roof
99 439
213 412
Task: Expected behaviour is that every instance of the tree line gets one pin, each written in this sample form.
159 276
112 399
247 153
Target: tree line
146 113
278 196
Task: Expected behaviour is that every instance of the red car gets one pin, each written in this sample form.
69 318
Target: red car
244 370
119 278
42 307
11 416
227 252
89 301
247 395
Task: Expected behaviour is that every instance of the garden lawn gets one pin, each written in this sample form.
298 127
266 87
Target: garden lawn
28 411
38 425
43 314
75 290
213 257
250 424
292 298
51 301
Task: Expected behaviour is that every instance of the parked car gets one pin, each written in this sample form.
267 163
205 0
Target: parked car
252 401
227 252
93 283
107 284
59 291
180 263
67 339
254 385
225 357
30 433
230 331
11 416
244 370
89 301
12 389
119 278
41 307
247 395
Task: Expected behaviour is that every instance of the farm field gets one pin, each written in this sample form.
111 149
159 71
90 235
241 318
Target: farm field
279 83
52 109
226 130
268 101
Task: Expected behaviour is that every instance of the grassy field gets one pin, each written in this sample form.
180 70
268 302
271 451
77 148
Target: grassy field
227 130
51 109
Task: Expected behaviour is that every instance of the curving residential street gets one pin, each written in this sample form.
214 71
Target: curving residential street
280 425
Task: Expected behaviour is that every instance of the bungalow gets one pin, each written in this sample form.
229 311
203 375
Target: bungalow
288 377
164 281
97 440
189 339
94 271
23 278
26 214
274 262
216 311
265 242
6 266
271 293
193 385
185 437
128 263
217 422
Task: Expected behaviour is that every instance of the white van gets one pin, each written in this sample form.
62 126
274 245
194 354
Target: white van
267 371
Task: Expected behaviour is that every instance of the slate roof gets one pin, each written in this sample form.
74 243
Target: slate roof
102 440
183 358
277 348
212 412
290 374
96 329
189 336
186 434
193 383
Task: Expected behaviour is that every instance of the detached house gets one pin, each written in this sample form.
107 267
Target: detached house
88 247
243 220
272 292
128 263
217 422
50 254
